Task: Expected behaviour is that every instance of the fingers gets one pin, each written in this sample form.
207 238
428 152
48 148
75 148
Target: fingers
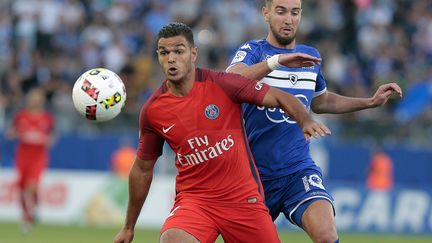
309 59
309 63
298 60
315 130
394 87
388 93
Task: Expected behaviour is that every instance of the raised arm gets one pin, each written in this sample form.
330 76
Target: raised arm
330 102
261 69
295 109
140 178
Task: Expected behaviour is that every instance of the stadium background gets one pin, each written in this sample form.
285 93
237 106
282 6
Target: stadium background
363 43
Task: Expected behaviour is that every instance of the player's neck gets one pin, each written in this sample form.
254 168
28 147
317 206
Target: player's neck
35 110
272 40
182 87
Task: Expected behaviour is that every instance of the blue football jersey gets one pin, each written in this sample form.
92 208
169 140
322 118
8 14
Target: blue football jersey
277 142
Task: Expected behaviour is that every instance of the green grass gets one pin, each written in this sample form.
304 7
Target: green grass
10 233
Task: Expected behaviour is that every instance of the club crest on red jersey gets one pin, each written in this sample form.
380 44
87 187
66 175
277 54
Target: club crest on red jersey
211 111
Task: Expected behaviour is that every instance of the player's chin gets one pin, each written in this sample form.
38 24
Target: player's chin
173 78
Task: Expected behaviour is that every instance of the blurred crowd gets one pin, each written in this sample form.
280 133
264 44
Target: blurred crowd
363 43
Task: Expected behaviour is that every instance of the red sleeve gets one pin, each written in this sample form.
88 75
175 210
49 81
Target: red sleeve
241 89
150 143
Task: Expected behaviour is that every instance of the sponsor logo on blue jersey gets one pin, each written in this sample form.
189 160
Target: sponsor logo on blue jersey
277 115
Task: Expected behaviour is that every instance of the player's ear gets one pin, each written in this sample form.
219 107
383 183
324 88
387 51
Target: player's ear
194 53
265 13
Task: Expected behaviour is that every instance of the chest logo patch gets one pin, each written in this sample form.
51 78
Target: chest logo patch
211 111
293 78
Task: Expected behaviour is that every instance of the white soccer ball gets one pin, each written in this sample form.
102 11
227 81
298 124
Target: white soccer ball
99 94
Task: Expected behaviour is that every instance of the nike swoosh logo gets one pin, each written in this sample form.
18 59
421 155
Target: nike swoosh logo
172 212
165 130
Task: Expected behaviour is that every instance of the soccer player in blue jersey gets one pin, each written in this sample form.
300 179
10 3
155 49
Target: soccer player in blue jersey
292 181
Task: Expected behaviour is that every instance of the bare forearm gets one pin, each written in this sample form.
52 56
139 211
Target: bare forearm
139 185
337 104
296 110
256 72
288 103
259 70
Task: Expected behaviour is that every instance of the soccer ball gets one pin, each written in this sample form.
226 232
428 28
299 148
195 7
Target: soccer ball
99 94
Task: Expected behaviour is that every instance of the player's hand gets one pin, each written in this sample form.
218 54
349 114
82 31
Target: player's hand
124 236
298 60
384 92
314 129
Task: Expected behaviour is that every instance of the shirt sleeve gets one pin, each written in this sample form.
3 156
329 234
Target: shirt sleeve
150 144
241 89
321 85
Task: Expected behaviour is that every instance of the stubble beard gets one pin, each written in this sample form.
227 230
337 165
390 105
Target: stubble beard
283 41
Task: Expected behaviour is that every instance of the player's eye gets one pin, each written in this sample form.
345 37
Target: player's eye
179 52
295 12
280 11
163 53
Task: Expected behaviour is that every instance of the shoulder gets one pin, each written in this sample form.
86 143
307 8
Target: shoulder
251 47
20 114
153 99
308 50
252 44
217 76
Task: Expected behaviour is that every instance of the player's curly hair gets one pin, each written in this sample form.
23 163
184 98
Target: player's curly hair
176 29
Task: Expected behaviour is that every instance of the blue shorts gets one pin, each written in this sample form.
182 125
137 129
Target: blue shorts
292 194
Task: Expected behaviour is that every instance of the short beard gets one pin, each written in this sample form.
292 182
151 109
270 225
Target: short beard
283 41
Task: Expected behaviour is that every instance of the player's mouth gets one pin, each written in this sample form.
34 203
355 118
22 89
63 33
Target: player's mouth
172 71
287 30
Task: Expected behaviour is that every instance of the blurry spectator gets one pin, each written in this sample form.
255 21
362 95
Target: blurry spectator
25 26
49 12
115 55
122 158
98 31
364 43
380 174
65 115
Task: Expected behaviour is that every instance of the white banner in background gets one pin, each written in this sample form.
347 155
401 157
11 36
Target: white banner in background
87 198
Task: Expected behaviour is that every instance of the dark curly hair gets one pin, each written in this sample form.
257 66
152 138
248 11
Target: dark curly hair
176 29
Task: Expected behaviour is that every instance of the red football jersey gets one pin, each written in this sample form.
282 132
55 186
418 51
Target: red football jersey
205 130
33 129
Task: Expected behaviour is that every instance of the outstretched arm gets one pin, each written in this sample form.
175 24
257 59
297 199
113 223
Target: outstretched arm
140 178
330 102
295 109
260 70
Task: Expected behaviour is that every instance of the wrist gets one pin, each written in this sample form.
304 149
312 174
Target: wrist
371 103
273 62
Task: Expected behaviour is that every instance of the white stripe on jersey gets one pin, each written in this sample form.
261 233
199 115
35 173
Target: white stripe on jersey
301 75
292 80
287 84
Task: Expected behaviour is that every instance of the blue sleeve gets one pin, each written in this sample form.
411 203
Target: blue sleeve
321 85
248 54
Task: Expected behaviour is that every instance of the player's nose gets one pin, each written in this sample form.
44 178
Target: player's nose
171 57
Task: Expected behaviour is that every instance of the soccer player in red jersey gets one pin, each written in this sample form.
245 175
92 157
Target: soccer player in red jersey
198 113
33 128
